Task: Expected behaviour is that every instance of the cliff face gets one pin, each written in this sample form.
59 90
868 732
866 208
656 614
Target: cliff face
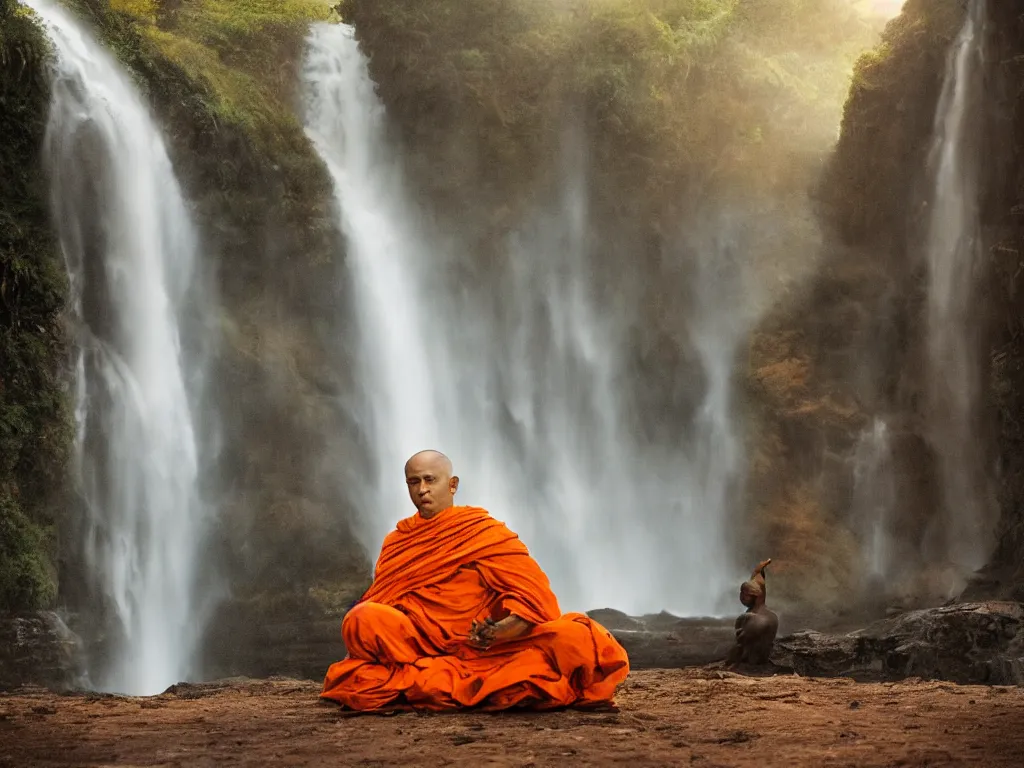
852 348
221 79
1004 206
674 100
35 428
839 363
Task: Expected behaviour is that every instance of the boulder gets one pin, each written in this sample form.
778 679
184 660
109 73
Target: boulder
39 649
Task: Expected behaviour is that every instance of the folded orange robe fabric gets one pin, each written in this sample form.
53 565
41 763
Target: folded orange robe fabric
406 637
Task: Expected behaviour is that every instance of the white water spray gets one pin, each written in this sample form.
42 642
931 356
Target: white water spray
389 263
874 499
522 388
130 248
962 533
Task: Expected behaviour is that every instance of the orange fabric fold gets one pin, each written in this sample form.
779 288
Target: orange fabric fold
406 637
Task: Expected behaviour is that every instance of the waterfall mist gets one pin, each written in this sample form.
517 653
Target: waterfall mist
961 534
131 251
874 498
526 388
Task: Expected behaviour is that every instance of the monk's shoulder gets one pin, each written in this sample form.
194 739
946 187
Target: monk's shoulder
492 533
479 517
405 526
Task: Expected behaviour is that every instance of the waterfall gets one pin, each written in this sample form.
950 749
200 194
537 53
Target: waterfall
523 387
874 497
400 339
130 248
962 533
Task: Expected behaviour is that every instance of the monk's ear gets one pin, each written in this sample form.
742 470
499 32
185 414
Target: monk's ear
453 484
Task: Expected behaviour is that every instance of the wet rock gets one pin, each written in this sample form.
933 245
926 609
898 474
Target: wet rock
664 641
302 649
612 620
816 654
979 642
286 635
38 649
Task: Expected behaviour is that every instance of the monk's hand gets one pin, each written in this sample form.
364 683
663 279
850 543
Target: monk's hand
487 633
482 633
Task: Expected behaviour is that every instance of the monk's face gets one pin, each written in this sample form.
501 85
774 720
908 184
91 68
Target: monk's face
431 484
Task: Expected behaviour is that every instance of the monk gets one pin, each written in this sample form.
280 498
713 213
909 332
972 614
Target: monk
460 615
755 629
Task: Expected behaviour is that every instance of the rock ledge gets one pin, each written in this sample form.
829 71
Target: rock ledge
38 649
964 643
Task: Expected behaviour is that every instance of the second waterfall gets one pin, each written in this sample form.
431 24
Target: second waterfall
131 250
525 387
962 532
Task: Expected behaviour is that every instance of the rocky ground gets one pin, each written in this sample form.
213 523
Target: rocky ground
701 717
902 691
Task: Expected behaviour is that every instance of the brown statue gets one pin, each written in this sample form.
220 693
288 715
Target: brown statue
755 629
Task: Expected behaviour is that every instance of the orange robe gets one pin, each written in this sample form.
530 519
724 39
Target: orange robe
406 637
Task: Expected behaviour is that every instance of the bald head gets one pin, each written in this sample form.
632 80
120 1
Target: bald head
430 458
431 482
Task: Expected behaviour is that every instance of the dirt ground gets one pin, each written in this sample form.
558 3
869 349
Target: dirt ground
666 717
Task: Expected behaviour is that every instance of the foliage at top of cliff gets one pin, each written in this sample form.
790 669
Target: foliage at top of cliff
665 86
238 54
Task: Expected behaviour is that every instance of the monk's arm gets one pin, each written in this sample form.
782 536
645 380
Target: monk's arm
487 633
511 627
522 588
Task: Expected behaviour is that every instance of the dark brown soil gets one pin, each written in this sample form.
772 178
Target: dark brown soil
696 717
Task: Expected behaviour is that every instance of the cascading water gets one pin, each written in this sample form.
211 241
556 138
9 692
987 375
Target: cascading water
962 533
130 248
399 338
521 388
874 497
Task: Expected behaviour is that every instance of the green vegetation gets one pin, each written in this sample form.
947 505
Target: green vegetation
241 57
35 428
674 94
237 57
888 117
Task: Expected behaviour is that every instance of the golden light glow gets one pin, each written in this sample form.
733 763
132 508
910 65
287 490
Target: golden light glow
885 8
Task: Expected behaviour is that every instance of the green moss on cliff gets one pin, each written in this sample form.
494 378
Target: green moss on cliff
241 57
35 428
238 57
888 118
